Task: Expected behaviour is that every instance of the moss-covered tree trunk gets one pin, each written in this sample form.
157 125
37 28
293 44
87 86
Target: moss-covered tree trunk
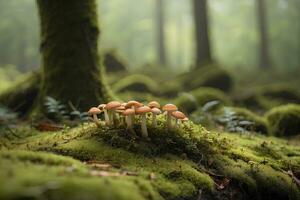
203 52
161 50
69 47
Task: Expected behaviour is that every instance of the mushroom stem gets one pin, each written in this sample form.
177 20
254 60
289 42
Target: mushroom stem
154 121
176 124
144 126
129 122
106 117
169 120
96 120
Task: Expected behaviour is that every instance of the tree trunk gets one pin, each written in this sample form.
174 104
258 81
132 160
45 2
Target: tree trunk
69 47
203 53
264 61
161 50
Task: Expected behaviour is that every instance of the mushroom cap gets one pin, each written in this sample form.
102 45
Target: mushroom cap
142 110
120 109
185 119
101 106
156 111
178 115
94 111
133 103
169 107
112 105
154 104
128 111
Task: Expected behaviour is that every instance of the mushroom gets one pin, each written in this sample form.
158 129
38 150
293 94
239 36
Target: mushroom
94 112
133 105
106 117
111 108
154 104
120 110
155 111
128 113
142 111
178 116
169 108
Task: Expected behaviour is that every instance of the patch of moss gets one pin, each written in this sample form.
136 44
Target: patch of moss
284 120
207 76
195 99
113 62
59 177
183 161
136 83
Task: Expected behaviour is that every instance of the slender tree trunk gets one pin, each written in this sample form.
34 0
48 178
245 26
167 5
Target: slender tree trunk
264 56
161 50
203 52
69 47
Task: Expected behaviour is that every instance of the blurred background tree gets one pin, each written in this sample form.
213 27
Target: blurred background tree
234 35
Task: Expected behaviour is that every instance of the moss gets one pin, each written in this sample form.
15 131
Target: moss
21 96
195 99
181 162
268 97
137 83
113 62
71 68
207 76
67 179
284 120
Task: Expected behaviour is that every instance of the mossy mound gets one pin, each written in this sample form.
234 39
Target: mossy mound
113 62
284 120
207 76
21 96
195 99
169 165
268 97
136 83
253 122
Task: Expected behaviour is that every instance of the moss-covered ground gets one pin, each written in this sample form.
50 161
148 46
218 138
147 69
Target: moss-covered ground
90 162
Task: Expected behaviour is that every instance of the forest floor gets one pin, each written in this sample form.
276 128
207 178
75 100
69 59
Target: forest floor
90 162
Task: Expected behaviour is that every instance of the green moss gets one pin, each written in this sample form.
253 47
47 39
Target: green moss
284 120
195 99
137 83
181 162
207 76
113 62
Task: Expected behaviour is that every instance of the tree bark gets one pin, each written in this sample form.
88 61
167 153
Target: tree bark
203 51
161 49
264 57
69 47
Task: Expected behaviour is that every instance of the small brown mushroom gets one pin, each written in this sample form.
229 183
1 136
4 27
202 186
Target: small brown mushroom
120 110
169 108
178 116
143 111
111 107
155 111
154 104
102 107
94 112
133 105
128 113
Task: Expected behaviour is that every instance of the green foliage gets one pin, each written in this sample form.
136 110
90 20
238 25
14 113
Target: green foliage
242 120
6 116
284 120
57 111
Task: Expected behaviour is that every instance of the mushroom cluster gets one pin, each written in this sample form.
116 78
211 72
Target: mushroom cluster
116 113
